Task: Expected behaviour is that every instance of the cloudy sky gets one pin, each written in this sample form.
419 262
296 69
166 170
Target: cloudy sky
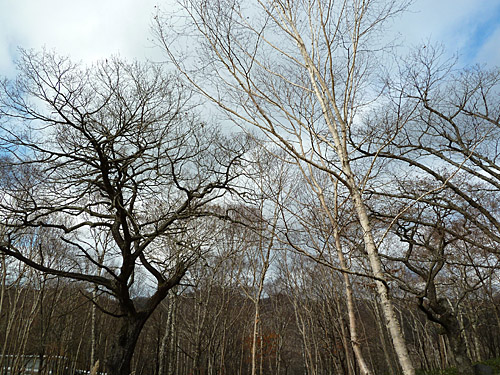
94 29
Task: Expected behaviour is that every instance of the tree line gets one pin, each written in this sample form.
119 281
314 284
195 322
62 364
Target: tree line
302 326
349 225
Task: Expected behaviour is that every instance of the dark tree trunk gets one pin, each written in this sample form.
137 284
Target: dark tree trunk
442 314
458 348
124 343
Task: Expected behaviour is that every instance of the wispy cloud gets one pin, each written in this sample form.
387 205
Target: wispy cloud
483 36
465 27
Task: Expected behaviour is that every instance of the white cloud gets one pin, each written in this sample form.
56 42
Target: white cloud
85 30
432 19
95 29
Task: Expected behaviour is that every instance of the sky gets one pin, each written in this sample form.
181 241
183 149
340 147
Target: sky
89 30
86 30
470 28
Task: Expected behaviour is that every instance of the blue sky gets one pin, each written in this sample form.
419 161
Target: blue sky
94 29
484 39
470 28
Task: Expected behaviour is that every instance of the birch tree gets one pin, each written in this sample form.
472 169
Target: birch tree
301 72
449 155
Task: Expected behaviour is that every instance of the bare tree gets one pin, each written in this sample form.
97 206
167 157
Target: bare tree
451 142
117 148
301 72
444 170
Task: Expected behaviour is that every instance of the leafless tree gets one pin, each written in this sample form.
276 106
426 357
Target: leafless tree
116 148
443 167
301 72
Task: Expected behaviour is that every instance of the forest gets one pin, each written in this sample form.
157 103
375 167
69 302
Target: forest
289 192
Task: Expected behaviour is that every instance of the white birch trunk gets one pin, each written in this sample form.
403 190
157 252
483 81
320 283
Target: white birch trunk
165 339
339 130
93 341
382 290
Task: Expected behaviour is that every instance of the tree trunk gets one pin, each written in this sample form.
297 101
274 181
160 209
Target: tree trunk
172 355
462 361
382 336
457 345
353 329
166 348
93 330
382 290
122 349
254 338
441 312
